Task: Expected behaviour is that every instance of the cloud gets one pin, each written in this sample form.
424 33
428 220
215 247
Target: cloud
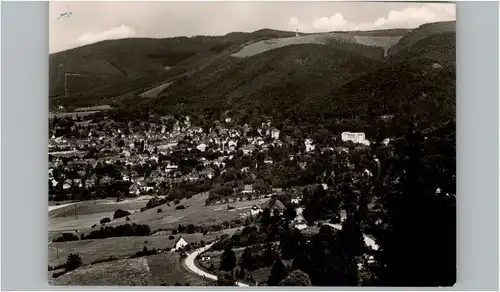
334 22
119 32
409 17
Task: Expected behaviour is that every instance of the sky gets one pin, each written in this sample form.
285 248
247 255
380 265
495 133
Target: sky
73 24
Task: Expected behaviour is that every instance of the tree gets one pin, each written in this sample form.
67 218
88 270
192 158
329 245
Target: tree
278 273
228 260
247 260
120 213
105 220
73 261
265 220
418 235
290 213
190 229
296 278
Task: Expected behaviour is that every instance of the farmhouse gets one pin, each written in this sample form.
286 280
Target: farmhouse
180 244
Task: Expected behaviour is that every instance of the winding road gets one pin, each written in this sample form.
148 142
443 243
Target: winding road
189 261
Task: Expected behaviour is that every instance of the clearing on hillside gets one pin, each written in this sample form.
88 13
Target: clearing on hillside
324 38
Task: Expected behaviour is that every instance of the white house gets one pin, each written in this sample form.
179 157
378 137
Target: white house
179 244
268 160
227 120
202 147
309 145
275 134
232 144
255 210
170 167
359 138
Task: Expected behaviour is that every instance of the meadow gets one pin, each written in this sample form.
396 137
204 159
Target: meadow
93 250
129 272
195 212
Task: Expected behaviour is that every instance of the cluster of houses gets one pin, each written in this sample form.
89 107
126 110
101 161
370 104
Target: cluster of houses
134 148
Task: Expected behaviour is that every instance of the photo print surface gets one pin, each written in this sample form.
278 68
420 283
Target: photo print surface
252 144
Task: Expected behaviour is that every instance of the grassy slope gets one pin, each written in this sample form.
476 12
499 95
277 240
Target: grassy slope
154 270
195 213
92 250
129 272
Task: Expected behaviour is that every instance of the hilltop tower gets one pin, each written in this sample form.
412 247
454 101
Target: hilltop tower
297 33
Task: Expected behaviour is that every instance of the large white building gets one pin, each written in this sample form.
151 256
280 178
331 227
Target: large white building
359 138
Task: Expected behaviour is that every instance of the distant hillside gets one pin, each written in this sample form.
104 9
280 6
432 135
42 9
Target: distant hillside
111 62
344 75
416 87
421 33
440 47
275 79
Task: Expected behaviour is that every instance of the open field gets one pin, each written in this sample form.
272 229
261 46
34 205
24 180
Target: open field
92 250
88 213
195 213
155 90
129 272
94 108
271 44
72 114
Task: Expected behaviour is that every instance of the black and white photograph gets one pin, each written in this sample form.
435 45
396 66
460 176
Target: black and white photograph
252 144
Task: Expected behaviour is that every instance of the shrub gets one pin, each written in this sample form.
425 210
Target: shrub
105 220
177 201
127 219
120 213
174 231
66 237
180 207
121 230
296 278
159 210
171 237
73 261
190 229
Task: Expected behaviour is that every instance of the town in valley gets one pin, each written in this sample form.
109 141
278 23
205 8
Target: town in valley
268 158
